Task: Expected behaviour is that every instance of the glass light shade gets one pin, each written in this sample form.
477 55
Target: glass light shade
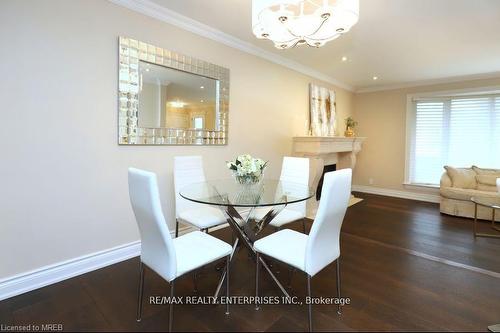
294 22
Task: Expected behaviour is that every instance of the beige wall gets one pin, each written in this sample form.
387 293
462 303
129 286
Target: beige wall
382 118
64 178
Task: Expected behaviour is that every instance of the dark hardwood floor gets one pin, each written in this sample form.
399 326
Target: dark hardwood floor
405 267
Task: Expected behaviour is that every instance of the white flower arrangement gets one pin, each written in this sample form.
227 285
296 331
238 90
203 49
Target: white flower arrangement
246 169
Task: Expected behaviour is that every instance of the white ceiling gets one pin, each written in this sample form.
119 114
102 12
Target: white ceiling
400 41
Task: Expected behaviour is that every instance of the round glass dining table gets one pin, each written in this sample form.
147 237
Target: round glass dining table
239 204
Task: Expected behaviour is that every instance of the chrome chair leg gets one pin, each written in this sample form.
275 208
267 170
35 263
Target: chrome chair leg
195 281
140 291
228 263
339 307
271 263
291 270
176 228
257 280
171 314
309 306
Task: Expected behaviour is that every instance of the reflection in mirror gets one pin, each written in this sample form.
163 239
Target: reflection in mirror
171 98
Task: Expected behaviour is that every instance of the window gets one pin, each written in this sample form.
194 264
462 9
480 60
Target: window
198 122
459 131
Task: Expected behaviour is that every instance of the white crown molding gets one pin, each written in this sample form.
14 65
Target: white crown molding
166 15
453 79
44 276
428 197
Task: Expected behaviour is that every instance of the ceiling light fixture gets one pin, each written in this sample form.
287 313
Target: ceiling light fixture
375 78
288 23
344 58
177 104
202 87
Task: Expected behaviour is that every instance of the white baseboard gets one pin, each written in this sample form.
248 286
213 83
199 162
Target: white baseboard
44 276
47 275
429 197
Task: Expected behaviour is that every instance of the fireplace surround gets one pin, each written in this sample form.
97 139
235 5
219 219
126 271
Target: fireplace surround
326 151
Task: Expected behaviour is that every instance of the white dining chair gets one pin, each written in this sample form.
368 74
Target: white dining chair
189 170
169 258
311 253
294 170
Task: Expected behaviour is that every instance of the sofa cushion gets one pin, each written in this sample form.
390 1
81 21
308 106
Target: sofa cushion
466 194
462 177
487 179
481 171
488 188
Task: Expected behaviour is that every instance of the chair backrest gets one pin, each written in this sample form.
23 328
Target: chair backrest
187 170
296 170
157 248
323 243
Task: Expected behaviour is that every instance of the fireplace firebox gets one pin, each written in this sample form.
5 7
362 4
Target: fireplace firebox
327 168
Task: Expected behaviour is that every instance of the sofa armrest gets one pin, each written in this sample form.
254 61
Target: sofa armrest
445 180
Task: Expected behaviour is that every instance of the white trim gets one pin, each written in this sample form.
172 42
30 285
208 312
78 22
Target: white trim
491 75
409 133
415 185
465 92
161 13
47 275
398 194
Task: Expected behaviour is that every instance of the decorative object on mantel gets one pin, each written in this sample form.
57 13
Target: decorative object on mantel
247 170
349 127
288 23
322 111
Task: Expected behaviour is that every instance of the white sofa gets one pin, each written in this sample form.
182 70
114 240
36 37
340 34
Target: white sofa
459 185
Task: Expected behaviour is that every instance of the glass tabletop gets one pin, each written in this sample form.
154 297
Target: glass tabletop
490 202
227 192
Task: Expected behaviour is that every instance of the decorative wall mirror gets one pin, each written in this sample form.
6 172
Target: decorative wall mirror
166 98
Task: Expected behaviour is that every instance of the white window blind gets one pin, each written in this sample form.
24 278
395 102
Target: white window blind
456 131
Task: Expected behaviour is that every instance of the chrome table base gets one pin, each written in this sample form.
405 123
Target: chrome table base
247 231
493 224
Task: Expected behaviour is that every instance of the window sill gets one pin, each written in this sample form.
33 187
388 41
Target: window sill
434 186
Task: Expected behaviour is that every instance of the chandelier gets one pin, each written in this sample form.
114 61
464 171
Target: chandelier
288 23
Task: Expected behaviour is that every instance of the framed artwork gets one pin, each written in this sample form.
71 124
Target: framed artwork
322 113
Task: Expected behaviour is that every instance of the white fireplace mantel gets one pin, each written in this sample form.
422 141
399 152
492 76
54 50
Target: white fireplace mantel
326 150
331 149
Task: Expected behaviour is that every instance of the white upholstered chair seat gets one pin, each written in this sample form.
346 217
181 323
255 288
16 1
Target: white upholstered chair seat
189 170
294 171
202 217
169 258
286 245
197 249
311 253
284 217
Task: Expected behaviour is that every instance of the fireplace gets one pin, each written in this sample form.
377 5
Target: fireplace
336 152
327 168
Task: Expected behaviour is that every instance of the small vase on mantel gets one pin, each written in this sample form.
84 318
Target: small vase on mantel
349 132
349 125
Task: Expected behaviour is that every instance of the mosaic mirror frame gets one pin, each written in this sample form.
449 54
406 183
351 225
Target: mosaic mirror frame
131 52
